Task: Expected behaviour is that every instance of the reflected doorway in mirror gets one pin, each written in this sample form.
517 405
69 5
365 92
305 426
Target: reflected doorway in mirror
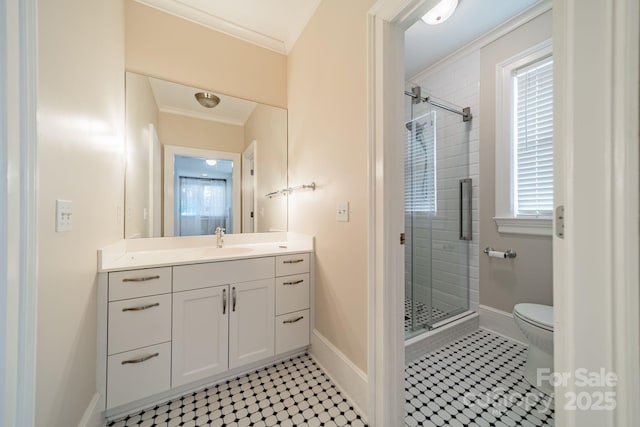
200 194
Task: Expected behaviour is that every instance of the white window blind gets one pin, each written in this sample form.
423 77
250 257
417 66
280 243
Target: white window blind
533 139
420 165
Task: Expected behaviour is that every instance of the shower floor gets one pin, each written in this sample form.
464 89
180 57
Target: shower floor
424 316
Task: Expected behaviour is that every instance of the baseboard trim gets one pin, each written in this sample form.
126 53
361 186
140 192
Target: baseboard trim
350 379
93 416
501 323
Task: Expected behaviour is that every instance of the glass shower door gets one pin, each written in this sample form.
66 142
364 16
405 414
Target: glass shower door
437 218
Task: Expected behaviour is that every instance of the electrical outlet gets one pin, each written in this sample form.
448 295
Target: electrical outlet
64 214
342 212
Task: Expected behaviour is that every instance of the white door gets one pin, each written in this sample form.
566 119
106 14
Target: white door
200 334
252 322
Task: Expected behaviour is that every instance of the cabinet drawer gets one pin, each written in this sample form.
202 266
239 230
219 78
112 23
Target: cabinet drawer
292 293
198 276
137 374
139 283
292 264
292 331
139 322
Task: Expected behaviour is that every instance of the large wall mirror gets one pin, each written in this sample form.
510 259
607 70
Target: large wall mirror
195 163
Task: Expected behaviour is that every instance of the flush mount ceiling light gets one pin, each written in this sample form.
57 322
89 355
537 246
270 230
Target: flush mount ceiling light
211 162
207 99
440 12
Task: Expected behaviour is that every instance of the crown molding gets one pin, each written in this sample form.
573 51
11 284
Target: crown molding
181 10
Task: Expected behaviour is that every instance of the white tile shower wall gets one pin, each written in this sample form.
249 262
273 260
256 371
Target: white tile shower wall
457 83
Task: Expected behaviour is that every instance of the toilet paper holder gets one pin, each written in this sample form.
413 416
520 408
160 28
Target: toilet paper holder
509 253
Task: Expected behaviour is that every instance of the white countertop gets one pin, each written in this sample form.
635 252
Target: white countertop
166 251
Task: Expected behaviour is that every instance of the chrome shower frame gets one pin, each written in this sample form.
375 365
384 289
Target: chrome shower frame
417 98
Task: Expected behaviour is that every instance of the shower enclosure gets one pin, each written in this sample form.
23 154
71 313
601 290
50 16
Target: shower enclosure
437 211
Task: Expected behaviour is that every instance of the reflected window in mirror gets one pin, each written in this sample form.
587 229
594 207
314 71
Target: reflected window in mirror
204 202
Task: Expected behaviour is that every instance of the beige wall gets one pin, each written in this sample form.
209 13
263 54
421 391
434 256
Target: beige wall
164 46
528 278
80 158
268 127
328 145
184 131
141 110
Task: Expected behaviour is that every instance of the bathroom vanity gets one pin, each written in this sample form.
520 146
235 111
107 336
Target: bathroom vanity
178 313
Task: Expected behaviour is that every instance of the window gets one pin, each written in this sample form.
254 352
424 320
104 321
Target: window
524 142
203 205
420 165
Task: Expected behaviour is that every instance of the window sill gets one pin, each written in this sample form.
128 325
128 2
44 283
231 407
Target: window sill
531 226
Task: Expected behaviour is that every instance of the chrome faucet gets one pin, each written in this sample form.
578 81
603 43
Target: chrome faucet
219 237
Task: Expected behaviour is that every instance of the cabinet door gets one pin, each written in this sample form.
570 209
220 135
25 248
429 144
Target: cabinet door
252 322
200 334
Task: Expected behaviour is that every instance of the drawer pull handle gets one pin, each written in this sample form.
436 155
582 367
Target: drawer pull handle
294 320
142 307
233 298
224 301
140 279
293 261
141 359
293 283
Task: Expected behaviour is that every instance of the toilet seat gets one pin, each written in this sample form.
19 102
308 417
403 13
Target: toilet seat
536 314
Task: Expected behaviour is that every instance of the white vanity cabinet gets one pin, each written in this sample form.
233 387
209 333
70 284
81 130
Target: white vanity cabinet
252 323
200 334
138 334
292 302
217 310
169 328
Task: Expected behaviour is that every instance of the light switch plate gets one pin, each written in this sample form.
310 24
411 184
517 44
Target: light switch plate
342 212
64 214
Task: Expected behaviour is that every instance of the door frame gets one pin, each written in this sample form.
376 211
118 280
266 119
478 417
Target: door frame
387 21
616 250
596 153
249 181
170 151
18 212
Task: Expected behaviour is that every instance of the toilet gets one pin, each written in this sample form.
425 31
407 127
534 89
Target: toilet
536 323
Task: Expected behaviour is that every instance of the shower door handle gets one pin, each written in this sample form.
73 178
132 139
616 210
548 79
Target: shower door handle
465 234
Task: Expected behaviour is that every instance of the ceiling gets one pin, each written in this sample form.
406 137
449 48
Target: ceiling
180 99
427 44
274 24
277 24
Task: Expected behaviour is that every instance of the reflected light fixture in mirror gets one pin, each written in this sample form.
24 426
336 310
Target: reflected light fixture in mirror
440 12
207 99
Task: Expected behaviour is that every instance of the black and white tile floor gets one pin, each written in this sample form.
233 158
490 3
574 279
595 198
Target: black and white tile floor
295 392
475 381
